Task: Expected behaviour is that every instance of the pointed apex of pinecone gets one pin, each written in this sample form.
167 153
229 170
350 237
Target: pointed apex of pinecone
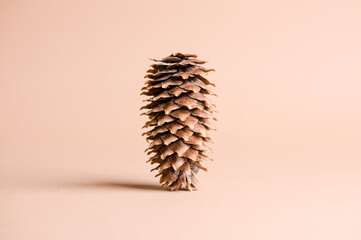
180 117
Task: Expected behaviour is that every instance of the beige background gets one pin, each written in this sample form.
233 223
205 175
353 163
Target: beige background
288 143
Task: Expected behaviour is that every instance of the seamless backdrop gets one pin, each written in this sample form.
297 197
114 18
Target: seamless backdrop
287 150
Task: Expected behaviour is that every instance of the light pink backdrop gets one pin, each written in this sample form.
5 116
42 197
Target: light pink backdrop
288 146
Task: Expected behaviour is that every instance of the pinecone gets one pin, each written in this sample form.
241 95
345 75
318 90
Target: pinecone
180 116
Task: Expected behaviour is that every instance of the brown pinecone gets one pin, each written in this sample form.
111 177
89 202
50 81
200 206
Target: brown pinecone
180 116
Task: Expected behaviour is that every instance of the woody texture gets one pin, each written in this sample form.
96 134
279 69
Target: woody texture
180 117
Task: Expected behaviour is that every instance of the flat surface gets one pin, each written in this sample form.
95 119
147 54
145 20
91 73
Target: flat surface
287 153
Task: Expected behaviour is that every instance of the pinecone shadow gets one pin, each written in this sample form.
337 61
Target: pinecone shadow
118 185
128 185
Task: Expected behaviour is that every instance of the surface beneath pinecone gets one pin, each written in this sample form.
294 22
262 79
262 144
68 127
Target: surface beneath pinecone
287 147
248 194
